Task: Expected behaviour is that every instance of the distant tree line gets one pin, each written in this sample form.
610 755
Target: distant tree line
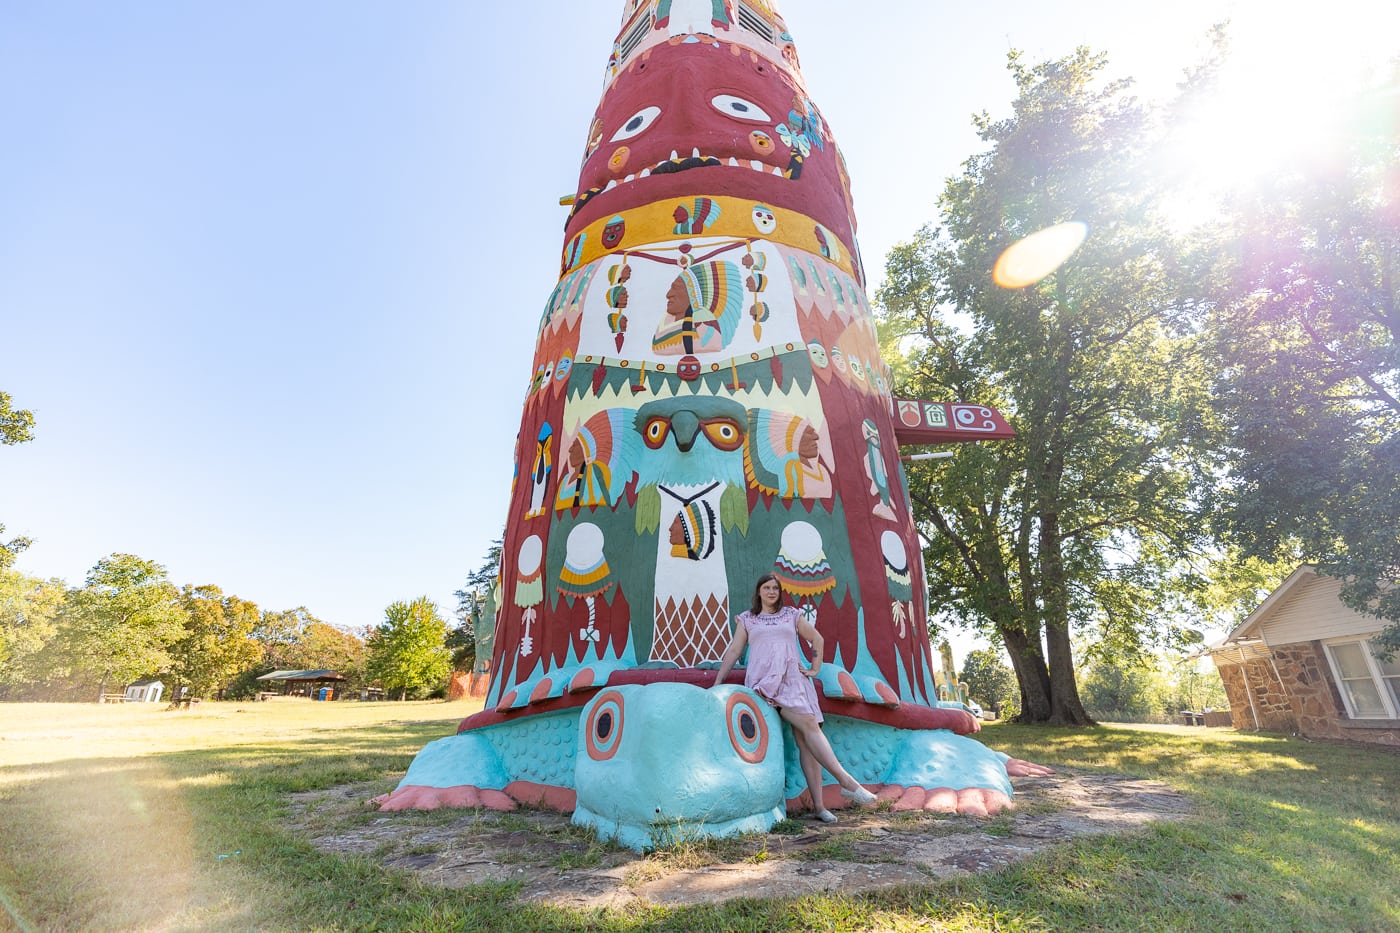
128 621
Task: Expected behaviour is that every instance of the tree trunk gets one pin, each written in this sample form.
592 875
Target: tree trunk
1031 674
1065 707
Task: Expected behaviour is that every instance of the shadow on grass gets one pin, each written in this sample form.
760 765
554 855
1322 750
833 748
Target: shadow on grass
1292 835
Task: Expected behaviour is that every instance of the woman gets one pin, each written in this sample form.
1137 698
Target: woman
775 673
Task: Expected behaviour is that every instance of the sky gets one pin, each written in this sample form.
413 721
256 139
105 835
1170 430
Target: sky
270 272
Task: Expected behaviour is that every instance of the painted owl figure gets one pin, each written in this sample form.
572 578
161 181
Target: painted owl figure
709 367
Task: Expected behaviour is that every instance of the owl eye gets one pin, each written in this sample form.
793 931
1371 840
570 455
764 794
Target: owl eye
638 122
654 434
732 106
724 434
748 731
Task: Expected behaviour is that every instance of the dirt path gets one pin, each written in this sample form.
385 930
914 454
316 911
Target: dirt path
558 863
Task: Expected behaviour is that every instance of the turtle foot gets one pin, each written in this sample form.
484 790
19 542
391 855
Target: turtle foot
841 685
1018 767
418 797
970 801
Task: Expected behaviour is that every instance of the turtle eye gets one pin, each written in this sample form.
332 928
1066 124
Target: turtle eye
732 106
654 434
748 730
636 124
603 729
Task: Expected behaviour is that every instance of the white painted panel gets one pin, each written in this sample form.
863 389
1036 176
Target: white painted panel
1312 610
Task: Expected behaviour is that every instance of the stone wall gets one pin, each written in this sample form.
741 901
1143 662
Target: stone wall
1309 704
1254 681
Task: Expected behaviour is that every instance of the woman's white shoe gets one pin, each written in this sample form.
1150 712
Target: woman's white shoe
860 796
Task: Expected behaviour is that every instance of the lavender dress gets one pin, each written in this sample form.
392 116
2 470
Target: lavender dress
774 670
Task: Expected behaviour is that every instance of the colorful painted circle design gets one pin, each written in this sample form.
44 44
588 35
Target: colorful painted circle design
604 727
748 730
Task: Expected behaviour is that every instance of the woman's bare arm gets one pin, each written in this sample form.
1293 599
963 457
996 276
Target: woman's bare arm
737 642
809 633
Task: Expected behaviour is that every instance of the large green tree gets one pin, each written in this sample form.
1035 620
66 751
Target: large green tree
406 651
217 643
29 610
16 427
121 624
989 681
1081 522
1308 335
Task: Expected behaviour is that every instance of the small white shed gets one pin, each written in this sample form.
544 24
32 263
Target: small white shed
144 691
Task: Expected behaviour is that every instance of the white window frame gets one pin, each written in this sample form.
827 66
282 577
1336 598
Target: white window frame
1379 679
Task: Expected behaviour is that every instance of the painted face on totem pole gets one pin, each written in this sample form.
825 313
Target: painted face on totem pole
717 123
677 299
612 233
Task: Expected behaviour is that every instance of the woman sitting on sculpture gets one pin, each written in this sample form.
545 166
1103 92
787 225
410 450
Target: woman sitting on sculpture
775 672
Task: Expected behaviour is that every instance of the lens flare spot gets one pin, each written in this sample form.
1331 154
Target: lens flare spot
1033 257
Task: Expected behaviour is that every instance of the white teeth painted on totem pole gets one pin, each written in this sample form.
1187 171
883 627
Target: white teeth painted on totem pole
611 185
733 162
644 173
777 171
628 178
695 153
758 166
675 156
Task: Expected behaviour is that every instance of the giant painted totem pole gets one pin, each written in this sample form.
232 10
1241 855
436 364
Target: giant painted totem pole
708 404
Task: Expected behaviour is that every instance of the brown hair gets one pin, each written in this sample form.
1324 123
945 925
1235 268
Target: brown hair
756 604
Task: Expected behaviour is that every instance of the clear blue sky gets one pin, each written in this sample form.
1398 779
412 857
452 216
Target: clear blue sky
270 271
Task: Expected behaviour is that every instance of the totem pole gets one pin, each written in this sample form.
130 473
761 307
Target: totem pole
708 404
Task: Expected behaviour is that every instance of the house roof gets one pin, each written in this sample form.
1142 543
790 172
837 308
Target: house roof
1248 630
320 674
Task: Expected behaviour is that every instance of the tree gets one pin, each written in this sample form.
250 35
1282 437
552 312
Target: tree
989 681
406 651
473 606
120 625
1307 332
217 643
16 427
1082 521
1122 693
294 639
29 609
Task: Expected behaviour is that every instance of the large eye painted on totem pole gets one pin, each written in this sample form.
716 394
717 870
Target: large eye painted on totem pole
654 434
748 730
724 433
741 109
635 124
603 730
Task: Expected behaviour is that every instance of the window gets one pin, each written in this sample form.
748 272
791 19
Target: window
754 23
1369 686
634 37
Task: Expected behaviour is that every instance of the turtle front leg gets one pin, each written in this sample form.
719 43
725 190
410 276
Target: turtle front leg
529 760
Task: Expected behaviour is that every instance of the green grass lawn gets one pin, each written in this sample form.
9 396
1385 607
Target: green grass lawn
131 817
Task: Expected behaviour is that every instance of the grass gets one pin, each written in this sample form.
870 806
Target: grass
132 818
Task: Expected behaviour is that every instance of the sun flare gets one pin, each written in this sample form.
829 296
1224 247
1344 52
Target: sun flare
1284 97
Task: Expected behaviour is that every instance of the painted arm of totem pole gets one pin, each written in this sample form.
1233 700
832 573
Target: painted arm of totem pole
920 422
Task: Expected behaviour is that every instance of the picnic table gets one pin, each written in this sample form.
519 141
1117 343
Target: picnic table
113 698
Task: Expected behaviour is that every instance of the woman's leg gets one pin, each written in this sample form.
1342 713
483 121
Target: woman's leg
811 770
806 730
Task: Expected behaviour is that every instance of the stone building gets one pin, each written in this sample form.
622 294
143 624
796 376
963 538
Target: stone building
1303 663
